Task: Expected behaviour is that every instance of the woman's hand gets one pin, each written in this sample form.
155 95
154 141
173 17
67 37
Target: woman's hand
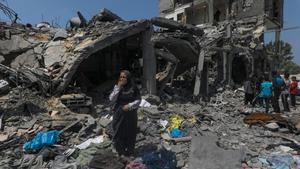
125 108
121 82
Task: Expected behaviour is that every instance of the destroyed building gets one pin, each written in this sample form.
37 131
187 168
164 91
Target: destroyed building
233 44
55 59
217 42
48 72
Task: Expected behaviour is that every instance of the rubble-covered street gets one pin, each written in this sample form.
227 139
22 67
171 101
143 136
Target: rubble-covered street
190 64
240 139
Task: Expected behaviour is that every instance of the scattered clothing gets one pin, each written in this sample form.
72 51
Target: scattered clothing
41 140
135 165
175 121
84 157
176 133
105 159
278 161
162 159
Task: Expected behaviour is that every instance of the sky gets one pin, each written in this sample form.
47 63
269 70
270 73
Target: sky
60 11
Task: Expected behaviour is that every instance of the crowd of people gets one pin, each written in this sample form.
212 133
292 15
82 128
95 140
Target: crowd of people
264 91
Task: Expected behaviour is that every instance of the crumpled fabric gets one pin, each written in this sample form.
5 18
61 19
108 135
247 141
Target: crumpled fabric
60 162
87 143
278 161
135 165
175 121
104 159
33 162
86 156
176 133
160 160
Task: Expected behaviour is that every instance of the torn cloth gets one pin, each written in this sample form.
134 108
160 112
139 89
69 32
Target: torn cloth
104 159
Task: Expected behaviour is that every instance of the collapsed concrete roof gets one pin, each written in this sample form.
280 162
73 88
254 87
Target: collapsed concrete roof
102 36
56 55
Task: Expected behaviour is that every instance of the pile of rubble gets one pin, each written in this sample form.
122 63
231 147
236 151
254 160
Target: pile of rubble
220 128
246 134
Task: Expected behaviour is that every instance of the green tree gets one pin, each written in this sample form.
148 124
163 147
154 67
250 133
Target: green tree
291 67
284 57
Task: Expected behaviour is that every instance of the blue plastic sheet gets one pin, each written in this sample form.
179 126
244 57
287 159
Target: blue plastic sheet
41 140
176 133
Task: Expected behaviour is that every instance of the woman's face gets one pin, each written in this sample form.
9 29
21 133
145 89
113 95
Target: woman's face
123 78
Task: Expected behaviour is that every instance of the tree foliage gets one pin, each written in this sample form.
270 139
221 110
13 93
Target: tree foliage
284 57
291 67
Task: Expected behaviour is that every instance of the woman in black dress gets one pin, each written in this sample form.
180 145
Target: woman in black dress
126 99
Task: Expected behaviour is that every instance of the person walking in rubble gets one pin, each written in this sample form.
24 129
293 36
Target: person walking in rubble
126 99
249 91
286 92
278 86
293 91
266 92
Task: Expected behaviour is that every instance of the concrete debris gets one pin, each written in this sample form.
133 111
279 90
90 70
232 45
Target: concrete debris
43 25
78 22
272 126
105 15
60 35
26 59
15 44
4 86
75 101
54 53
173 25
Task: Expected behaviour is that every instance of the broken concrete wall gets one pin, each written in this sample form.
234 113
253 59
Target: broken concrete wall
250 8
186 54
54 53
165 6
197 14
28 59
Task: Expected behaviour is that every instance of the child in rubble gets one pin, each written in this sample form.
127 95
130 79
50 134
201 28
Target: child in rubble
293 91
265 94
